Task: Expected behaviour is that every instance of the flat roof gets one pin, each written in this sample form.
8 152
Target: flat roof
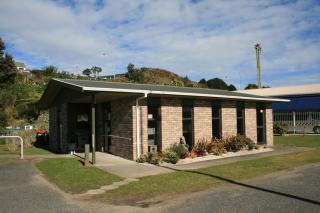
310 89
142 89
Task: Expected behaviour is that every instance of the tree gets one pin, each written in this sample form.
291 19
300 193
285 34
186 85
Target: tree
203 81
96 70
217 83
8 70
134 74
231 87
50 71
251 86
87 72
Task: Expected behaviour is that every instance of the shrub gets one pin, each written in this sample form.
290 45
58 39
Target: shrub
12 145
154 158
280 128
170 157
28 136
142 159
257 146
251 145
234 145
180 149
200 148
216 146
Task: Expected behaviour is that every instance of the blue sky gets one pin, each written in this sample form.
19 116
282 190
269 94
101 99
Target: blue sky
200 39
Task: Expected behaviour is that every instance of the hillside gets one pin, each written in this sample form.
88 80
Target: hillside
148 75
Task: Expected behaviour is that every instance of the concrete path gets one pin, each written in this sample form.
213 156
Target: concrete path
278 150
126 168
293 191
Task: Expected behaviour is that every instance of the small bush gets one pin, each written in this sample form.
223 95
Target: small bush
150 157
154 158
217 146
170 157
280 128
251 145
12 145
142 159
180 149
257 146
200 148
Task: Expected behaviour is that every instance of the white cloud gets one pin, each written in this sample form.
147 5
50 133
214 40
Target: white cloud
207 39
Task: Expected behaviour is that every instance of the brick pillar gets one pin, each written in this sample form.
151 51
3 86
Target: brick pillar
171 122
228 119
269 125
144 125
122 125
202 115
250 116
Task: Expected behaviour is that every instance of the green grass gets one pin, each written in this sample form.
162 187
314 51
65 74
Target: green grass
27 151
7 160
71 176
298 140
197 180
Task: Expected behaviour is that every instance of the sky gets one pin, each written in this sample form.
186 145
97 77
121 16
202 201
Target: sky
194 38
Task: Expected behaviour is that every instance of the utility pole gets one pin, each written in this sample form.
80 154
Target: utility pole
258 53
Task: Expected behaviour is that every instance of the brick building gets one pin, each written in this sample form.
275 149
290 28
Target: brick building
131 119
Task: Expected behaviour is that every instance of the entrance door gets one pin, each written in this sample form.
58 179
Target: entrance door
107 127
261 125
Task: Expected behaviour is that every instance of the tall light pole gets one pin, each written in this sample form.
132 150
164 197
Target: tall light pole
258 53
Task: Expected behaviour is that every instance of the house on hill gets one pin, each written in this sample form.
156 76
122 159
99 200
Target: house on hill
128 120
21 68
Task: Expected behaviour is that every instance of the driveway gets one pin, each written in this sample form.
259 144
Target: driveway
294 191
23 189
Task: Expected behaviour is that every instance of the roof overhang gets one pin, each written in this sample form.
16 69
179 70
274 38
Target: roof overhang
56 85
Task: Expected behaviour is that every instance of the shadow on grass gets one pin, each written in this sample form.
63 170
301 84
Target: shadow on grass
250 186
45 146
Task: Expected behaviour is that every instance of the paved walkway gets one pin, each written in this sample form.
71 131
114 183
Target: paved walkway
126 168
278 150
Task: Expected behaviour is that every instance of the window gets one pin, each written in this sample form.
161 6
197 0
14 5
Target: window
187 123
216 119
261 124
240 118
153 121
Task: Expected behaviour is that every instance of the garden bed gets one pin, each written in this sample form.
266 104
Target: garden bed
226 155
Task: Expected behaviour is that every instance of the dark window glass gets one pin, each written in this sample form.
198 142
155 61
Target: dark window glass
187 123
216 120
240 118
153 121
261 123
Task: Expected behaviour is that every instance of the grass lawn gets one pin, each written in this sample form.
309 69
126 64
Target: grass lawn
7 160
71 176
26 151
298 140
200 179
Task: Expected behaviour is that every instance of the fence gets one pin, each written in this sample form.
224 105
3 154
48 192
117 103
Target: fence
298 122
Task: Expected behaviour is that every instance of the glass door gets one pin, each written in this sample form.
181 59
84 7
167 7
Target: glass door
261 130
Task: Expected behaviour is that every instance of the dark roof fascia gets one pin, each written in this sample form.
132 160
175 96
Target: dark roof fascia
101 86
